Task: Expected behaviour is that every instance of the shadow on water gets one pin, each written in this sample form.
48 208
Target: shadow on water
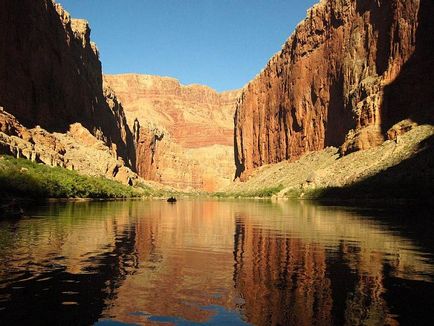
216 262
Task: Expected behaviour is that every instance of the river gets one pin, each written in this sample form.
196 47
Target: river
216 263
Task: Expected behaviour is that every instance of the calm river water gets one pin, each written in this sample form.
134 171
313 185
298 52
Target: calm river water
215 263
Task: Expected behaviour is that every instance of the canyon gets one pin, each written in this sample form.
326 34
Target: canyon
183 134
354 76
58 109
342 116
75 149
348 77
51 76
55 109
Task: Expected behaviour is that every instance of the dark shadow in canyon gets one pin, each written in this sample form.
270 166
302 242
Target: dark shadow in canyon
339 118
51 75
381 18
411 94
239 166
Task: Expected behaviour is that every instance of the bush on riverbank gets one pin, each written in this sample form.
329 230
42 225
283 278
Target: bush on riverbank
23 178
258 193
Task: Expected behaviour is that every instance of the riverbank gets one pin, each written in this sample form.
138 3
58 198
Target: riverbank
398 170
20 178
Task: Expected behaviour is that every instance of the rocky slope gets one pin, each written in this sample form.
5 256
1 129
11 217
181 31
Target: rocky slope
350 71
400 169
183 134
50 74
58 112
77 149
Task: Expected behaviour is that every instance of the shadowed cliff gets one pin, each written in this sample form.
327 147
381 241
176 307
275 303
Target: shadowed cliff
348 74
397 169
411 95
50 74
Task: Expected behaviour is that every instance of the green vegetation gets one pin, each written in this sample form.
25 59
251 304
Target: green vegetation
258 193
369 190
23 178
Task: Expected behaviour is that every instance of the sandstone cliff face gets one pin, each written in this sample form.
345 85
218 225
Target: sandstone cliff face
350 71
50 74
184 111
77 149
183 134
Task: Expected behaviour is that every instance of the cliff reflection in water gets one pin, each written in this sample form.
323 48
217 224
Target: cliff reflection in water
325 266
212 262
63 264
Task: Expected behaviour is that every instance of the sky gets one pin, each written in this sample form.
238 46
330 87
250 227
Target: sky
219 43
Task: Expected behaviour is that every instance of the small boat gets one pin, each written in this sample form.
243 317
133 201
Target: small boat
12 210
171 200
12 214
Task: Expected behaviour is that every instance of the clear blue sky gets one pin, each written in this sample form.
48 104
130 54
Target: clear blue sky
219 43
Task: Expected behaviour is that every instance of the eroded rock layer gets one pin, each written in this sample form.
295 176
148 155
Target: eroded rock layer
50 74
350 71
77 149
183 134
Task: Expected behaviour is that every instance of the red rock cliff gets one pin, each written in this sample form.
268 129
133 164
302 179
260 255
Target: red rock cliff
350 71
195 115
183 134
50 74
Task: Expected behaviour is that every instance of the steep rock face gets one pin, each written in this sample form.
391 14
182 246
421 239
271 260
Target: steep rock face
183 134
185 111
50 74
77 149
350 71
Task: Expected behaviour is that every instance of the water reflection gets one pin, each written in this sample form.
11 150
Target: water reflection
322 265
55 268
212 262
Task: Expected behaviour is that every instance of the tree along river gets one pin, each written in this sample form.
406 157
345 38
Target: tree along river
216 263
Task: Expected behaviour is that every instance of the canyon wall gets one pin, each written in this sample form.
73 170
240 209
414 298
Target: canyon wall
77 149
52 91
183 134
350 72
50 75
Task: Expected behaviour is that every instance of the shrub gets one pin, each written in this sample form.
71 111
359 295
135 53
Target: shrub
20 177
